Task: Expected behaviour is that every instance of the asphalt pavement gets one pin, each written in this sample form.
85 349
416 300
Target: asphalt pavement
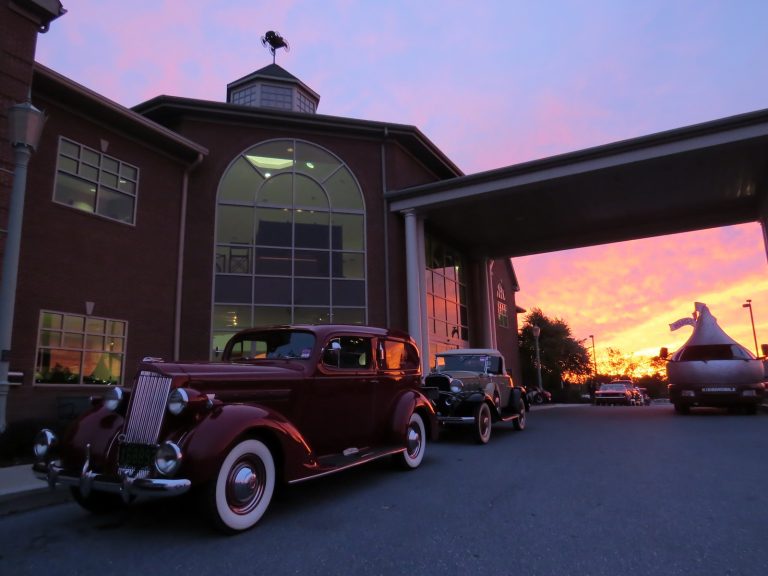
21 491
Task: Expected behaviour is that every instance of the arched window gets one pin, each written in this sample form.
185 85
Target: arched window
290 240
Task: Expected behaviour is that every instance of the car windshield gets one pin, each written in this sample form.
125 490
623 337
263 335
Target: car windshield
272 344
613 387
465 362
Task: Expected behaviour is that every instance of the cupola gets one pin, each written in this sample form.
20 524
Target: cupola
273 87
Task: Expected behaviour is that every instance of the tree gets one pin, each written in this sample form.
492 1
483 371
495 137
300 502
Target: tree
563 358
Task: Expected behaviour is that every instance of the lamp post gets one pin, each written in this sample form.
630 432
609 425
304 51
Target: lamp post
752 320
594 355
25 124
536 334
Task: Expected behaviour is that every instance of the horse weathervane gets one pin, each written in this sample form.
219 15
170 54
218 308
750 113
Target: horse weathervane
274 41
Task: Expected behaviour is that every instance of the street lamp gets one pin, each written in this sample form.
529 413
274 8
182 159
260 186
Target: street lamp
25 124
536 334
752 319
594 355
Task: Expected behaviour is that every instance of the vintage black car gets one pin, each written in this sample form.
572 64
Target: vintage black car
285 404
471 386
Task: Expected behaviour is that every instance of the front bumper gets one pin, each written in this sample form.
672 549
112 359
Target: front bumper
128 487
716 396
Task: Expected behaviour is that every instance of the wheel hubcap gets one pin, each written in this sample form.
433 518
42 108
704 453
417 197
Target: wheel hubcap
245 485
414 440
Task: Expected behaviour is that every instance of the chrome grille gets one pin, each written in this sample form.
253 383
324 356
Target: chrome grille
143 421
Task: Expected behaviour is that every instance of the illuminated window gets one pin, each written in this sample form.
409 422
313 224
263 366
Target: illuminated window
75 349
501 314
94 182
446 288
290 241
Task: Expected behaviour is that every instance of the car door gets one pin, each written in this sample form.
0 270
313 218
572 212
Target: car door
338 407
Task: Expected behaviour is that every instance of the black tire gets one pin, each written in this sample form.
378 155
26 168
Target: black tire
538 398
750 409
521 420
483 423
98 503
415 444
240 493
682 408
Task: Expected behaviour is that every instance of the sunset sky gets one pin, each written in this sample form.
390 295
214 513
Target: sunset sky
491 83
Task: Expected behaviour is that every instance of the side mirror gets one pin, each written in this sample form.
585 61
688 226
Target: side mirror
664 353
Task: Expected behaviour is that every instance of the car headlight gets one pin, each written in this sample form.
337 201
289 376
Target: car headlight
457 385
45 442
688 393
168 458
177 401
113 397
749 393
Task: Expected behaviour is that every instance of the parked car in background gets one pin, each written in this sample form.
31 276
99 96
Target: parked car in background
284 404
538 396
646 398
618 392
470 386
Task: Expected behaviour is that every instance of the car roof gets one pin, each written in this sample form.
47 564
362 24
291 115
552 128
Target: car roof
326 329
469 351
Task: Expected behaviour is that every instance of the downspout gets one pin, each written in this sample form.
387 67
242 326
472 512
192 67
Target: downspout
180 262
386 224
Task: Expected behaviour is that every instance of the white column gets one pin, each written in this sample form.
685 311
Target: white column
486 328
413 280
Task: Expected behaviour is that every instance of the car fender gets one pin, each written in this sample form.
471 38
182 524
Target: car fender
208 443
411 401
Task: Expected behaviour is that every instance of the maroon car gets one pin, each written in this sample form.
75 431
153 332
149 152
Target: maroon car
285 404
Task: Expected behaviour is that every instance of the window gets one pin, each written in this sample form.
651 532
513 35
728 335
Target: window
501 314
446 288
277 97
74 349
399 356
348 353
290 241
94 182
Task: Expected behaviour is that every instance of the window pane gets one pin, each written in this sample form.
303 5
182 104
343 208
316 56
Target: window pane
311 292
348 265
108 179
51 320
232 289
315 161
110 165
308 194
312 316
70 148
129 172
240 183
234 224
274 227
347 231
101 368
277 190
116 328
344 191
93 342
349 315
50 339
95 325
271 315
58 366
272 157
116 206
273 261
233 259
75 192
116 344
231 318
311 229
271 290
72 340
89 156
349 292
74 323
68 164
311 263
127 187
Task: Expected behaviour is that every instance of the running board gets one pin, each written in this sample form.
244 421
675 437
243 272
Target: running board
354 457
